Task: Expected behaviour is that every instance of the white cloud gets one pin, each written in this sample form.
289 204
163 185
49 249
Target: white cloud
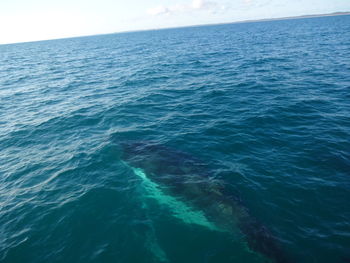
198 4
194 5
41 26
158 10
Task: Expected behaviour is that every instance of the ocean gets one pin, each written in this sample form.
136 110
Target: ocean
260 108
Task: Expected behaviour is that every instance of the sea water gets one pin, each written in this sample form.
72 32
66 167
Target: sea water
265 105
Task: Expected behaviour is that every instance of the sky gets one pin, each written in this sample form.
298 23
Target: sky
31 20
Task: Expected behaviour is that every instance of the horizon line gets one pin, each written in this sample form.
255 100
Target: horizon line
194 25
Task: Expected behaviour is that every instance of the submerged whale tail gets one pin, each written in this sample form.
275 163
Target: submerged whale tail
258 237
261 240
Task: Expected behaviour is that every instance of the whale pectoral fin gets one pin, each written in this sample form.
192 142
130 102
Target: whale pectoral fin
178 208
153 245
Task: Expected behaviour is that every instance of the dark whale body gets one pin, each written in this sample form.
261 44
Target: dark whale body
188 178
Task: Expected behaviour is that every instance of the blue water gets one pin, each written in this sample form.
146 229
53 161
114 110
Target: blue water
265 106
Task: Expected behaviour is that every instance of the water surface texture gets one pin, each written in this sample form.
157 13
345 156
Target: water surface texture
265 107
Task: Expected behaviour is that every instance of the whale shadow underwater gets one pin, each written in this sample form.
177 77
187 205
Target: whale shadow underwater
188 178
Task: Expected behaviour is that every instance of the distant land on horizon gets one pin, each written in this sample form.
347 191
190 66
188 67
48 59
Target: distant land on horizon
199 25
294 17
244 21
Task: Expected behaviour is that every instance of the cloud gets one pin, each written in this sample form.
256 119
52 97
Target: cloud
198 4
158 10
195 5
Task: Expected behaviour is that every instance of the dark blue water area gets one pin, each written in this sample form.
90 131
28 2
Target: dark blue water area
264 106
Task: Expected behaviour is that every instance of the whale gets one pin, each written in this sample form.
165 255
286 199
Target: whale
186 182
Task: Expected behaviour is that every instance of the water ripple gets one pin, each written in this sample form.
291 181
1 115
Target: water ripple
263 105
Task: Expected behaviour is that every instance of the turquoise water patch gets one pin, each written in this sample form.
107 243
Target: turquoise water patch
265 105
177 208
